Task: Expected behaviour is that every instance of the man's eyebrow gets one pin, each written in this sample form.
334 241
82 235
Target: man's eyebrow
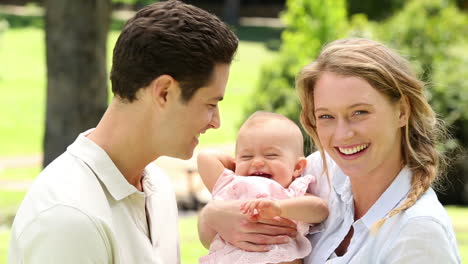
217 98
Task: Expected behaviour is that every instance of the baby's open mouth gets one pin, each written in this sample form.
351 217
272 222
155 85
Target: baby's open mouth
261 174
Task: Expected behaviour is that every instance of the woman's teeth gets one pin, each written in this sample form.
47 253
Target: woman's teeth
349 151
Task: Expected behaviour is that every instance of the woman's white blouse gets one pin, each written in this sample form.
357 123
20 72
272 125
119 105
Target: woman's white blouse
421 234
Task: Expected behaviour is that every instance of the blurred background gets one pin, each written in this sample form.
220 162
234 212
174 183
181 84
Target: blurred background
55 56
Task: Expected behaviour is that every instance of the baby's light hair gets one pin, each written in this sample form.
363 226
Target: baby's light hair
259 117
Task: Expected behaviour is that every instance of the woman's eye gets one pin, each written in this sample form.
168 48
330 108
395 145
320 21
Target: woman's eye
360 112
324 117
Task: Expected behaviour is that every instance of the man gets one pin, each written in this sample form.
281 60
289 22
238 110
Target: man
103 201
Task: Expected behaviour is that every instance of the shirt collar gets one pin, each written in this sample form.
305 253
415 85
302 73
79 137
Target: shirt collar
342 184
392 196
101 164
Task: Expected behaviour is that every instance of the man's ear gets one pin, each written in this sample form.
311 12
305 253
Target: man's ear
405 111
161 88
300 166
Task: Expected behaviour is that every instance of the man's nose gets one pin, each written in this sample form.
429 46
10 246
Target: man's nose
215 119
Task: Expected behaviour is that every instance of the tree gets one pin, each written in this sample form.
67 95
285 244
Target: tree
231 11
76 36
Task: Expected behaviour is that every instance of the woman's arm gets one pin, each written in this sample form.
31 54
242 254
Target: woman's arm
308 209
250 234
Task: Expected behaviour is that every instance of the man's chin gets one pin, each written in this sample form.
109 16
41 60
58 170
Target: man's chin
182 156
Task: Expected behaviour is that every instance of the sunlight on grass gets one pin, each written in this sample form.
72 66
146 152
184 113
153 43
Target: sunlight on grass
459 216
19 173
10 200
22 82
4 237
190 247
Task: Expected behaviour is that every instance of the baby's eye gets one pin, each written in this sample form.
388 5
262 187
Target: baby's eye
271 155
246 157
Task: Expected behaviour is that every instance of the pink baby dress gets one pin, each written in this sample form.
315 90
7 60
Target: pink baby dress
233 187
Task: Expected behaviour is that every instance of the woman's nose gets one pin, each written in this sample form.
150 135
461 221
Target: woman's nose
343 130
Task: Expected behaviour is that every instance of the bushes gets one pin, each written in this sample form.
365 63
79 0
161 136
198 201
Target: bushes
433 34
3 28
309 24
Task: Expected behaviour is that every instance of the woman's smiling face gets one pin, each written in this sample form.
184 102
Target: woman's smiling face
357 125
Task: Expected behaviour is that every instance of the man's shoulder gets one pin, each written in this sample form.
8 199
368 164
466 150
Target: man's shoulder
66 183
61 229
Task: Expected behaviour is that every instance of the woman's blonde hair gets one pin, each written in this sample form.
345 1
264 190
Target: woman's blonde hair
390 74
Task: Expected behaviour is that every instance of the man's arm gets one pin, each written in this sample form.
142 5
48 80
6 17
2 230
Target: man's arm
225 218
61 234
308 209
211 164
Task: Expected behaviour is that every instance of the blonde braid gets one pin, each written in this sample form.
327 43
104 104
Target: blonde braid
422 134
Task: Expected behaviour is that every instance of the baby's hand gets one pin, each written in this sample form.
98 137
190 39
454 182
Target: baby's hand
263 208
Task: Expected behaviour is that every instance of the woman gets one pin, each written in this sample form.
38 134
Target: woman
377 136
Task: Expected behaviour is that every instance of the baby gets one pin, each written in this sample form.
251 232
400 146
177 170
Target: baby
266 173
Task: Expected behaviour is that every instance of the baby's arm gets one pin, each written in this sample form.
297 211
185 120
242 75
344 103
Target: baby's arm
211 164
308 208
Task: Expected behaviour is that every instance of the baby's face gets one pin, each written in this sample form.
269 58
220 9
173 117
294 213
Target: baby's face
266 152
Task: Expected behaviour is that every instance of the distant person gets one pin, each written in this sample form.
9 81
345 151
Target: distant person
377 138
103 200
267 174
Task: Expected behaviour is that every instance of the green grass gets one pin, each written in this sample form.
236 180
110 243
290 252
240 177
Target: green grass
22 82
4 237
459 216
19 173
190 247
23 86
9 204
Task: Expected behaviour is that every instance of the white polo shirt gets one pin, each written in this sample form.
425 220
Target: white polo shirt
81 209
421 234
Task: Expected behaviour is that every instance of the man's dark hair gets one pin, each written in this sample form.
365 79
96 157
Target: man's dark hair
171 38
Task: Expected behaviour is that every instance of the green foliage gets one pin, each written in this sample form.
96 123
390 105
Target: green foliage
434 34
375 10
309 25
135 2
3 28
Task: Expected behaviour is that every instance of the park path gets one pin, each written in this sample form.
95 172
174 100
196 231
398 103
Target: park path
183 173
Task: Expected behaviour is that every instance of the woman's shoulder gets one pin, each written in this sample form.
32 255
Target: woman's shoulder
427 215
423 232
429 208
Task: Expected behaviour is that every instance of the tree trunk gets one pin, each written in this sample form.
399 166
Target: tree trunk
76 36
231 12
